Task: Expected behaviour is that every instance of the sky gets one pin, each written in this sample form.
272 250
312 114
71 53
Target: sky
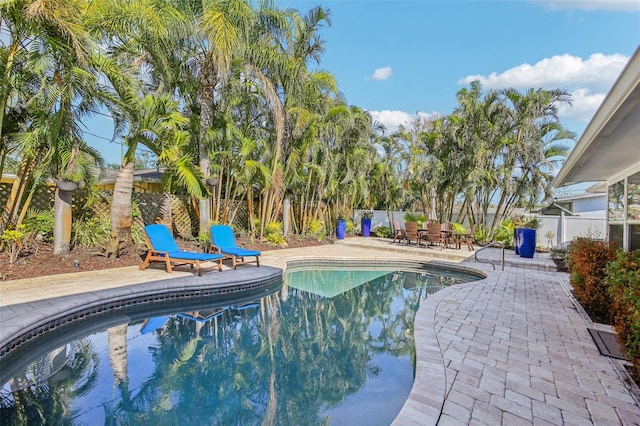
397 59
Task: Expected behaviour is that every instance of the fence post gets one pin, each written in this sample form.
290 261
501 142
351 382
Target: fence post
563 226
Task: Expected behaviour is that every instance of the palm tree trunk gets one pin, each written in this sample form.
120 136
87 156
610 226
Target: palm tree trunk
12 205
62 222
207 87
250 210
8 68
121 210
117 341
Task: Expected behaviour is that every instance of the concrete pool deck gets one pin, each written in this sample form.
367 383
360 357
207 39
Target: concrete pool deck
510 349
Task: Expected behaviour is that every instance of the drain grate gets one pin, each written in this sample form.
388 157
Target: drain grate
606 343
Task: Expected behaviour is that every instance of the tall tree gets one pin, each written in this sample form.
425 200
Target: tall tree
155 123
59 90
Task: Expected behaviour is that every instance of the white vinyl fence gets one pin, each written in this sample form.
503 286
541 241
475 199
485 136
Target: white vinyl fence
380 217
566 228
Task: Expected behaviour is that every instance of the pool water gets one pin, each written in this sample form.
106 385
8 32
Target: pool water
328 347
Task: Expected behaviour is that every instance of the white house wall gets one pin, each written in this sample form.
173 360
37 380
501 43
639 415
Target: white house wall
591 207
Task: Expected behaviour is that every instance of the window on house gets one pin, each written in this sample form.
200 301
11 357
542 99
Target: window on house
634 237
633 197
616 202
616 235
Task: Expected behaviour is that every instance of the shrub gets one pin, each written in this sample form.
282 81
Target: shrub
481 235
588 261
382 231
351 227
504 233
137 234
623 279
274 233
204 242
458 228
317 229
91 231
12 240
40 223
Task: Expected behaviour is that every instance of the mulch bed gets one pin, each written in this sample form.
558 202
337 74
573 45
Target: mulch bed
40 261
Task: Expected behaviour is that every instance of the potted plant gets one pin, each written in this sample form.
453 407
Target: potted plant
410 217
365 222
341 224
527 237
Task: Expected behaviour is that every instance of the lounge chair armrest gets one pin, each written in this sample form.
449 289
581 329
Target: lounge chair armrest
214 249
154 251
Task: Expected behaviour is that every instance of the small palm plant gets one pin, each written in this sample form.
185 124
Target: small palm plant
11 240
550 235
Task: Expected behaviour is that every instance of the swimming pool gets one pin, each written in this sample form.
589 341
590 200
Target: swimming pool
327 346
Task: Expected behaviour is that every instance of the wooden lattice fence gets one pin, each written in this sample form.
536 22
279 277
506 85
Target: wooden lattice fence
184 209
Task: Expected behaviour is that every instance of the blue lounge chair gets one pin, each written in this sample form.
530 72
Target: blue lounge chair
154 323
223 242
163 248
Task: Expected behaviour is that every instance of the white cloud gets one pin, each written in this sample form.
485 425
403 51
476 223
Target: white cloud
393 119
558 71
383 73
586 80
618 5
583 105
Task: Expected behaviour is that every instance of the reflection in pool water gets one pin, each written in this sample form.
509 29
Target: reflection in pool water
322 350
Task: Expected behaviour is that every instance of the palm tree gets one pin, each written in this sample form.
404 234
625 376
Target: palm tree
385 183
61 60
155 123
535 145
224 24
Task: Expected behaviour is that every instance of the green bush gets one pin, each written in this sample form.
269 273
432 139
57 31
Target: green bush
382 231
317 229
504 233
351 227
458 228
481 235
204 242
12 241
588 261
623 280
274 233
90 231
40 223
